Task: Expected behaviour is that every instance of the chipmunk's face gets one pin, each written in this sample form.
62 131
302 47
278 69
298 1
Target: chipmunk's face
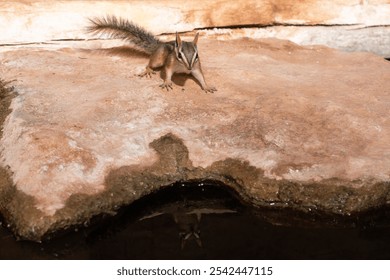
187 52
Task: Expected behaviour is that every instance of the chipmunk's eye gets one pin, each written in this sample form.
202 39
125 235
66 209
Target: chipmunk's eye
179 56
196 57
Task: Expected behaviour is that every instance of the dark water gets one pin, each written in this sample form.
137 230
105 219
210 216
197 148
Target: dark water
206 221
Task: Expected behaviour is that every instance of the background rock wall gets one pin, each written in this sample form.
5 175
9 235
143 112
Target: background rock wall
362 25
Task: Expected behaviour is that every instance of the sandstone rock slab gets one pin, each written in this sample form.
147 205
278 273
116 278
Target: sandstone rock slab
306 127
375 39
352 25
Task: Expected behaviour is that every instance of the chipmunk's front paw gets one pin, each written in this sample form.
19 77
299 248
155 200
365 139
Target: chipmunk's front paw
166 85
210 89
147 73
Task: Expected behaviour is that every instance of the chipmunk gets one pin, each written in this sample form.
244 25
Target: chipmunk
175 56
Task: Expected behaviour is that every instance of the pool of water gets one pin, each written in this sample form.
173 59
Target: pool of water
204 220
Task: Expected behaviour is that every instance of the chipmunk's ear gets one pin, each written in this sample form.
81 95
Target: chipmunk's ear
178 40
196 39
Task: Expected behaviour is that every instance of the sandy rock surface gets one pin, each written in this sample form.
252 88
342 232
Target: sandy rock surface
289 125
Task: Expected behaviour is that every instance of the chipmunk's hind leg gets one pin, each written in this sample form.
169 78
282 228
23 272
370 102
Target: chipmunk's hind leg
157 60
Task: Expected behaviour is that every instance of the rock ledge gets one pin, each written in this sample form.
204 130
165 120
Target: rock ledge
305 127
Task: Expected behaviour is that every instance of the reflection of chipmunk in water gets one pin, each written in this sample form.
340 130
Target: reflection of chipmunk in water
175 56
188 227
188 221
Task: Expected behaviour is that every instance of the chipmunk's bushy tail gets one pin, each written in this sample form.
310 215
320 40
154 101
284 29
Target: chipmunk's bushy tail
124 29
